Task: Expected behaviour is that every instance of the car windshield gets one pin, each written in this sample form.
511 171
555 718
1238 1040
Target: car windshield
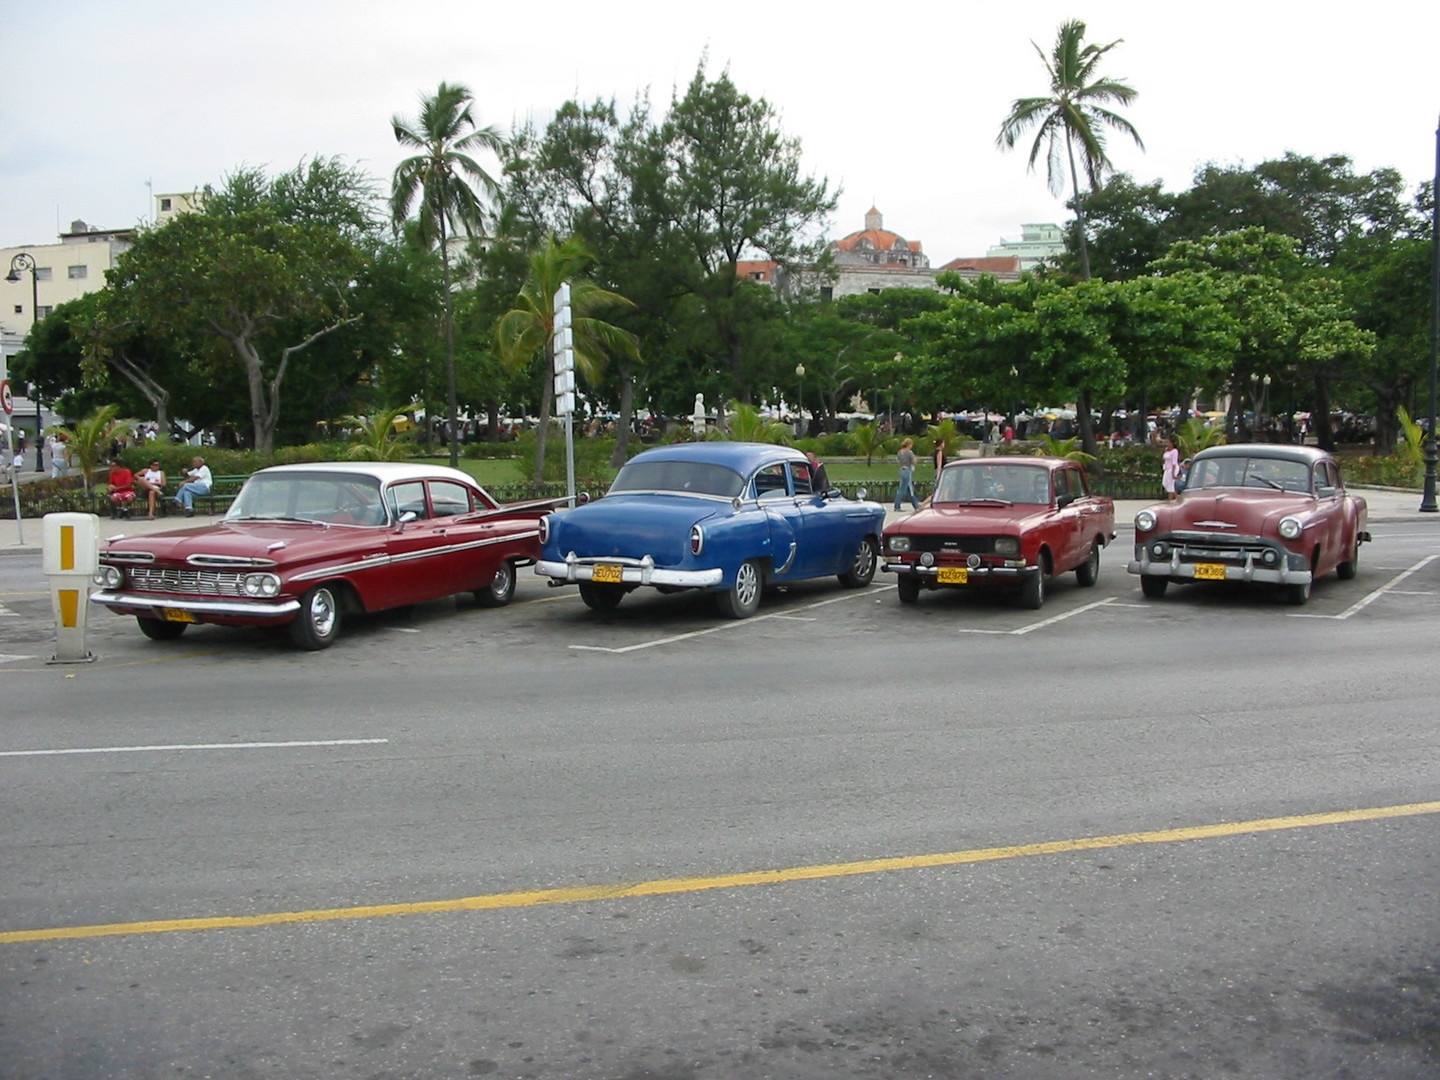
690 477
1272 474
331 498
994 483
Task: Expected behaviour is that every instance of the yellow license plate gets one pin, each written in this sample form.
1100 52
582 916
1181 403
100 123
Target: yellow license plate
610 575
176 615
952 575
1209 571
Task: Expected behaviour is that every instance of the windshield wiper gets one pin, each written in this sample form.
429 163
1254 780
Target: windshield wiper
1268 482
990 499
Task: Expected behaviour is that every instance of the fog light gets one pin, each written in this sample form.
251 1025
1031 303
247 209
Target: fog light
927 559
1158 550
1270 557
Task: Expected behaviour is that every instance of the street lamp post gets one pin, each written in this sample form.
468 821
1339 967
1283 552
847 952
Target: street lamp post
800 374
20 264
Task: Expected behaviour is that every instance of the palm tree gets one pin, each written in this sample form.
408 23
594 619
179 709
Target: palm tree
89 439
529 326
1073 117
378 439
747 425
440 176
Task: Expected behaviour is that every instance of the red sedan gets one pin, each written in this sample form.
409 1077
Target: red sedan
1253 512
304 545
1003 521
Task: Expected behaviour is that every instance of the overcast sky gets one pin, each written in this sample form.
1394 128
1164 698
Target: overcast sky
896 104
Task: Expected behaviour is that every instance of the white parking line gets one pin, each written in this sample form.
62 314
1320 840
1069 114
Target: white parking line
1043 622
193 746
723 626
1360 605
6 658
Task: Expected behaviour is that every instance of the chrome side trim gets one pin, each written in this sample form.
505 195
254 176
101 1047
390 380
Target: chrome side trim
257 609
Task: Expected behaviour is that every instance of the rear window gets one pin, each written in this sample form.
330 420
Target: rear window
689 477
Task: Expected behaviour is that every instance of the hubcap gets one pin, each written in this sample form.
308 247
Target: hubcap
747 585
322 613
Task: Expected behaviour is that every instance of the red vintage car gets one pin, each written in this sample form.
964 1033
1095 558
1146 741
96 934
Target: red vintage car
1010 521
1253 512
303 545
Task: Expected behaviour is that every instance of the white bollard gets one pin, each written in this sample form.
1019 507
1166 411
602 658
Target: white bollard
71 548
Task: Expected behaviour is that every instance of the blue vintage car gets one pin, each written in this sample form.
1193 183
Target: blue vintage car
727 517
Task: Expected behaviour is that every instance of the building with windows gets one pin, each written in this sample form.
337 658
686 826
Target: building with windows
64 271
1037 244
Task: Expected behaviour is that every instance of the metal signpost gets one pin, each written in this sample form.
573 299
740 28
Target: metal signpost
563 346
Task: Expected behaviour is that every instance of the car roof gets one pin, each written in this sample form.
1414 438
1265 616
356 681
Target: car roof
384 471
743 457
1305 455
1037 460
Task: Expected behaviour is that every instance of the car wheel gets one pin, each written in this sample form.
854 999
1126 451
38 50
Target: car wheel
1154 587
1088 571
501 589
159 629
909 589
1032 591
1351 566
318 624
601 597
862 568
1297 595
742 599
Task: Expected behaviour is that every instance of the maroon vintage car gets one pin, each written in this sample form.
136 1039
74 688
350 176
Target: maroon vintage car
1271 513
1013 521
304 544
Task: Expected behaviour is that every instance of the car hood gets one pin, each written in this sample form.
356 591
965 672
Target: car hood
986 520
1232 510
257 540
631 526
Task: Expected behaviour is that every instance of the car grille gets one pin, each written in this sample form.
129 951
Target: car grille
192 582
1226 549
954 545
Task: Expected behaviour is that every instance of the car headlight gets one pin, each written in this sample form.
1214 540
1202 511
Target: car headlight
1145 520
697 539
898 543
1007 545
265 585
545 529
1290 528
109 577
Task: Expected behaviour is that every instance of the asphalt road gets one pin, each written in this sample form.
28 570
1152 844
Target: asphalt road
1193 837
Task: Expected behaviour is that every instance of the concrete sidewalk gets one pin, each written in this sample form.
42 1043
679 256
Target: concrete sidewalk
1387 506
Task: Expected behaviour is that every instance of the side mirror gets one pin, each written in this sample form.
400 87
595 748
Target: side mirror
405 519
582 498
862 494
1063 501
1325 492
833 493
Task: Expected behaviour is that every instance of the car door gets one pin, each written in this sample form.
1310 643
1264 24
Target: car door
775 494
422 559
1069 488
830 535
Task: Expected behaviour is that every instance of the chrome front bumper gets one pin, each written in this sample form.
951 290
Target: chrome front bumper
632 572
1174 569
231 609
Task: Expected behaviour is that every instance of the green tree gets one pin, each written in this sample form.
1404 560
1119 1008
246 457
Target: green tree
527 331
440 177
246 281
1072 119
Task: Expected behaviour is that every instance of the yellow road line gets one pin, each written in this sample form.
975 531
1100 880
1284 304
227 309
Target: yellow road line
671 886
